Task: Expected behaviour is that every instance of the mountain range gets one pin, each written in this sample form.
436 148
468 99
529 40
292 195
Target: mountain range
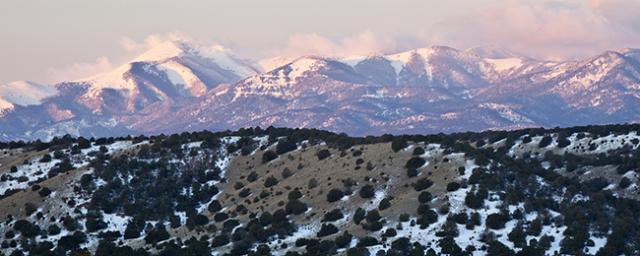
178 86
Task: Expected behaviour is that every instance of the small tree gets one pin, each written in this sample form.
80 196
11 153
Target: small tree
268 156
323 154
398 144
334 195
367 191
545 141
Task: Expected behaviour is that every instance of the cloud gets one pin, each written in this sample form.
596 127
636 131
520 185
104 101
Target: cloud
360 44
103 64
78 70
150 41
544 29
547 29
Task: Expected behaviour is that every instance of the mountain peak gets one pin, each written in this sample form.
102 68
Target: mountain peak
176 48
164 50
182 64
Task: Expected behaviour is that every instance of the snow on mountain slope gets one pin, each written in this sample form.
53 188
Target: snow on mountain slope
178 85
306 74
180 64
505 64
24 93
431 89
5 106
400 60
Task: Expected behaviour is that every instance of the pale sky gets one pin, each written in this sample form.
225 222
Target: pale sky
48 41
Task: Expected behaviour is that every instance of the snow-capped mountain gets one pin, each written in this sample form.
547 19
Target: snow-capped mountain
435 89
150 86
166 74
178 86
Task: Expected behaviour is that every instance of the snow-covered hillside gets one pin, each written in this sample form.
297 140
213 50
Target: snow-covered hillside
281 191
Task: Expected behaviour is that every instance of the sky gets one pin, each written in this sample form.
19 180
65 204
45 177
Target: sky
51 41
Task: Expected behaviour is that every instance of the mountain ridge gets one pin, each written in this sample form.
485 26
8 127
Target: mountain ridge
185 87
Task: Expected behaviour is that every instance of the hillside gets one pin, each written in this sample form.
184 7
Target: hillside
309 192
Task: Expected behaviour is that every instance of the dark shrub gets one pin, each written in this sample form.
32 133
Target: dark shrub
384 204
94 222
545 141
73 241
423 208
197 220
563 142
157 234
322 154
453 186
244 193
29 208
132 230
359 215
334 195
294 194
412 173
312 183
266 219
285 146
402 244
53 230
358 251
333 215
373 216
427 219
367 241
220 240
418 151
595 185
268 156
296 207
424 197
367 191
221 216
496 221
26 228
343 240
270 181
286 173
398 144
214 206
253 176
497 248
624 183
45 158
415 163
327 229
44 192
422 184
